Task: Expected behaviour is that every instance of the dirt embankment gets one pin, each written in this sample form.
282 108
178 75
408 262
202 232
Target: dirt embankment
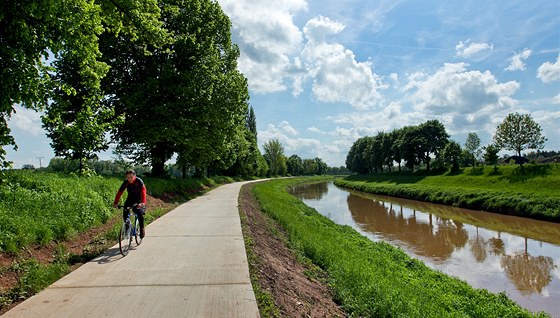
278 271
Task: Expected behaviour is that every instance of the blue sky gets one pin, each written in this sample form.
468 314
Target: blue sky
324 73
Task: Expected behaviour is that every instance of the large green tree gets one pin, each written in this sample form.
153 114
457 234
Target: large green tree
75 120
252 121
186 97
274 156
355 160
411 146
294 165
249 160
490 155
35 31
432 139
519 132
452 155
472 145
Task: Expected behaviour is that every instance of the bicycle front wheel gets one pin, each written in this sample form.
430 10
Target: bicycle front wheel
124 240
137 232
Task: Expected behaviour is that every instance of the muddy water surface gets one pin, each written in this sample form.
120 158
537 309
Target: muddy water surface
500 253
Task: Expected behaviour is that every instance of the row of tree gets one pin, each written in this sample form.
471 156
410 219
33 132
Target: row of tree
412 145
428 144
273 157
157 78
280 165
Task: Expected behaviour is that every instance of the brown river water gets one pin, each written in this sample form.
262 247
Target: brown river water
500 253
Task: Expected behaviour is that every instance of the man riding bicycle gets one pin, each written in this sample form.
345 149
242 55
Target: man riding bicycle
136 195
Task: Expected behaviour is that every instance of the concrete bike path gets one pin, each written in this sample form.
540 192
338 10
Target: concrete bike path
192 263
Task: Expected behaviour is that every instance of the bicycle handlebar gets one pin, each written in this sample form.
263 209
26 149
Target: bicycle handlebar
130 207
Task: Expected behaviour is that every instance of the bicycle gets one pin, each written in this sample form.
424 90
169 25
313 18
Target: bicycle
127 233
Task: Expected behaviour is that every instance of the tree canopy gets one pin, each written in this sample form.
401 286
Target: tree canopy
274 156
412 144
36 31
519 132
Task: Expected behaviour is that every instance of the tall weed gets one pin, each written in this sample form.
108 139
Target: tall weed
37 207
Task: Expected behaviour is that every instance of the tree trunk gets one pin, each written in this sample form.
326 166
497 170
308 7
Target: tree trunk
184 171
159 156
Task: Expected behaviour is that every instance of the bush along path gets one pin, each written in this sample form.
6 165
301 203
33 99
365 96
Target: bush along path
375 279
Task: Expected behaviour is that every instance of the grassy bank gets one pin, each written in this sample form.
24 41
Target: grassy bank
375 279
48 209
529 192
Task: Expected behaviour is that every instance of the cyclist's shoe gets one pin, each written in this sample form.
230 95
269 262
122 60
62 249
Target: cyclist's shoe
142 233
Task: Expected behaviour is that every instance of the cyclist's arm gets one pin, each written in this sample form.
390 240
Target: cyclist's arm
143 195
117 198
120 193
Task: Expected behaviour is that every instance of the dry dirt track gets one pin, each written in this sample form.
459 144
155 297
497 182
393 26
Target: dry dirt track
192 263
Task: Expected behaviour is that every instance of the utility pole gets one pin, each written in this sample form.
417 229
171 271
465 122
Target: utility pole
40 165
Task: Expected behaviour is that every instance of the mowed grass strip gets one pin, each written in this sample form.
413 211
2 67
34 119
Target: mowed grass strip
375 279
533 191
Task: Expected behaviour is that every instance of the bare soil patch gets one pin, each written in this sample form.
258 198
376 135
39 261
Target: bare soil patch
278 271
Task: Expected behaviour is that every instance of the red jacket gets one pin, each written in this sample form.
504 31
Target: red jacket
136 192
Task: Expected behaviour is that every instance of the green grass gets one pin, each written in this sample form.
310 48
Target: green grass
533 191
38 207
375 279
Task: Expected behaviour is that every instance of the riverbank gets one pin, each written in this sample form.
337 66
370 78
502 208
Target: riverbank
529 192
375 279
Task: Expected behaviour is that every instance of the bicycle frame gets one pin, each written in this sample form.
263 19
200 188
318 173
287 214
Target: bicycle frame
126 234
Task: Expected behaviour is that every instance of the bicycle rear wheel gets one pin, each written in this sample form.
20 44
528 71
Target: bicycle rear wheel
137 232
124 240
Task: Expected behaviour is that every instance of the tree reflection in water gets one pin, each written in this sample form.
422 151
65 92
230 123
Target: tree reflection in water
478 248
441 235
529 274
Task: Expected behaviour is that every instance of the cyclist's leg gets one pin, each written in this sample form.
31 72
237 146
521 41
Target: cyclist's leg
140 216
126 216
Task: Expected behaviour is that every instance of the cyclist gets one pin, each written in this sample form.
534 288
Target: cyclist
136 195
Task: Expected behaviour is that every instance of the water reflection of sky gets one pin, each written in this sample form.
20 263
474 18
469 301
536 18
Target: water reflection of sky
528 270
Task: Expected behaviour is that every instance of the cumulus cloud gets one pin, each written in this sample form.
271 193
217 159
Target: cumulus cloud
284 135
556 99
287 128
369 123
268 39
467 49
454 89
277 55
26 120
337 76
549 72
314 129
517 59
